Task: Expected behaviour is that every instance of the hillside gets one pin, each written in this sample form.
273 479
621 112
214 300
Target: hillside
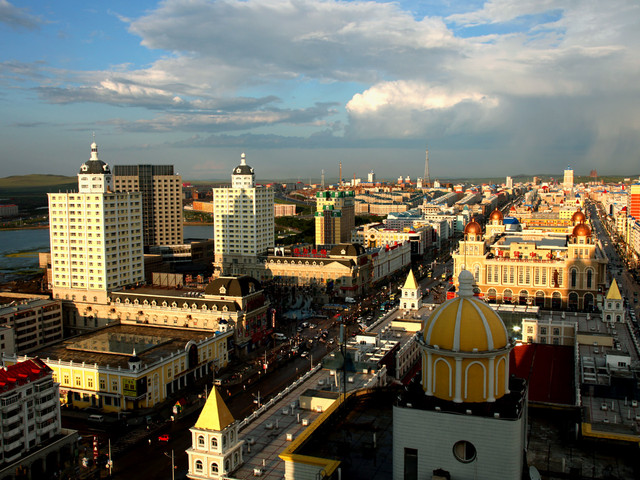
35 180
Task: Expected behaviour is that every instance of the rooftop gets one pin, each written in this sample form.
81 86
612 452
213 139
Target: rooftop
113 345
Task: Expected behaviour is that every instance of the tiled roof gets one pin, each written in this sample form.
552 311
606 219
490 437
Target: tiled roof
21 373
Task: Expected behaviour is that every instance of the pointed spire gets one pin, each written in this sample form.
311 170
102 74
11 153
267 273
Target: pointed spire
411 283
215 414
614 291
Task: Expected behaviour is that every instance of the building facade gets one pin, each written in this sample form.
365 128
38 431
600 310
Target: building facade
128 367
161 191
243 224
95 236
34 320
334 217
31 422
549 270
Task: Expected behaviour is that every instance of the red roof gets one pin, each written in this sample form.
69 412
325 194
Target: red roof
548 370
21 373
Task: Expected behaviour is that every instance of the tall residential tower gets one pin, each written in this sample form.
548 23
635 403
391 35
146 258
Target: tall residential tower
243 227
335 217
161 200
95 235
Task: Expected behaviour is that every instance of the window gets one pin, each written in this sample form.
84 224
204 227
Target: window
214 468
589 278
214 444
201 441
198 465
464 451
574 277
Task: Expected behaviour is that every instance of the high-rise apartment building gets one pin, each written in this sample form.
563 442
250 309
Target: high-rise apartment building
633 206
509 182
243 225
161 192
335 217
95 236
568 179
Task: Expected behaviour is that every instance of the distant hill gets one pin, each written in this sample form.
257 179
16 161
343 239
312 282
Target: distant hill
35 180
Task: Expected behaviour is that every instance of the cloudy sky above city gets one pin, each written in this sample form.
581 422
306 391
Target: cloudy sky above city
493 88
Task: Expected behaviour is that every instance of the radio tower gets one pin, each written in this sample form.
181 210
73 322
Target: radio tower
340 174
426 170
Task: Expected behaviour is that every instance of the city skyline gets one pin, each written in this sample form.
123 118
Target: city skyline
489 87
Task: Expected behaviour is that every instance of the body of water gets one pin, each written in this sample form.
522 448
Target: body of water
19 252
19 249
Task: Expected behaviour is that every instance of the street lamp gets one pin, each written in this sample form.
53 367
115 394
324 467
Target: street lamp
173 468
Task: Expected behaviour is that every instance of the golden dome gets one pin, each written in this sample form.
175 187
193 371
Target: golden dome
465 323
473 228
578 217
496 215
581 230
465 349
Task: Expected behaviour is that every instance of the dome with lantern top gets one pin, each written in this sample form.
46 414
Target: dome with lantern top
94 165
473 228
243 168
466 349
581 230
578 217
496 216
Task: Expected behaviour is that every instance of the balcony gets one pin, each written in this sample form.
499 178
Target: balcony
15 430
48 403
8 447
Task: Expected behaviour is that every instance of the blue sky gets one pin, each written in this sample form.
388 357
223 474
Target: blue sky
495 88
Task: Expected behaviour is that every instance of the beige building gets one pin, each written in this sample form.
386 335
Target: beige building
335 216
284 209
549 270
549 330
34 321
161 191
243 224
95 236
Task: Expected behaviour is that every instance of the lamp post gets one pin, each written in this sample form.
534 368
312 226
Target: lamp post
173 468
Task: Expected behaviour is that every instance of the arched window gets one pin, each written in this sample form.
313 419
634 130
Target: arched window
214 443
201 441
574 277
556 301
507 296
476 272
226 465
214 468
589 278
198 465
540 299
224 441
573 301
524 297
588 302
491 295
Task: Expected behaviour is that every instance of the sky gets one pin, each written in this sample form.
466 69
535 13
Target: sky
495 88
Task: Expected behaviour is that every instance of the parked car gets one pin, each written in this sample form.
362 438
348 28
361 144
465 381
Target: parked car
164 437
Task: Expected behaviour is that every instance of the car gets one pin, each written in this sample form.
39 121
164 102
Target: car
163 438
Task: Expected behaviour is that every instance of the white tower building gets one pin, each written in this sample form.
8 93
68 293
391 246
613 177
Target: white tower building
215 449
243 225
95 236
411 296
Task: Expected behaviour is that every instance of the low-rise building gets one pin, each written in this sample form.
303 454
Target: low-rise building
127 367
36 320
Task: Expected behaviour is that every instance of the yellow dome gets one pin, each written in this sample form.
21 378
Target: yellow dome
465 324
465 350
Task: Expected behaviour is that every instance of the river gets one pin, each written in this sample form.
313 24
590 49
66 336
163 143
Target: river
19 249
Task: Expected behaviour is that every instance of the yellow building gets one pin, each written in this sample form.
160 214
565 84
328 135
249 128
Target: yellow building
546 269
125 367
335 217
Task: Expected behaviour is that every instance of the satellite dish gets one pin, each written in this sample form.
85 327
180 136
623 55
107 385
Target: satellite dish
534 474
